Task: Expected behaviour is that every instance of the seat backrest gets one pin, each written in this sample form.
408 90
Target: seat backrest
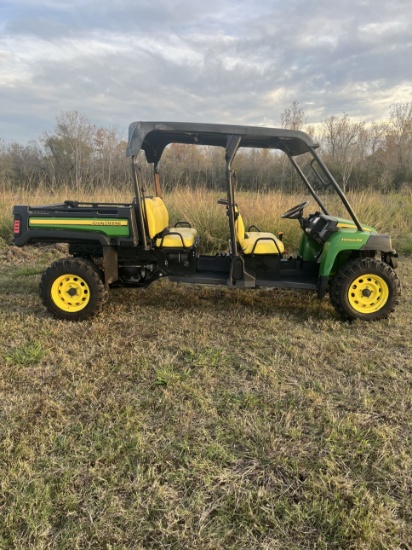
239 228
157 215
162 210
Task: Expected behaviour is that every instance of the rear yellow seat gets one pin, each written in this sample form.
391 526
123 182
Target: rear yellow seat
256 241
158 226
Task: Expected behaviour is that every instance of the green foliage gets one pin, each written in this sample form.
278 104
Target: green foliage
28 271
25 355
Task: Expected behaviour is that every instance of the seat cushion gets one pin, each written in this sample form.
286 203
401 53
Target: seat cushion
262 243
177 237
256 242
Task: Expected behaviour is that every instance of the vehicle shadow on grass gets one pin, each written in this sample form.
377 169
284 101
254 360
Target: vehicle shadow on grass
19 293
19 290
183 299
20 281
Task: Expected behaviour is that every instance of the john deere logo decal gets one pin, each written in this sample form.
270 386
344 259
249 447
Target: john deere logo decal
61 221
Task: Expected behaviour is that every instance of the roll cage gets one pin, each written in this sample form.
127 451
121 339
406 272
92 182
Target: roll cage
154 137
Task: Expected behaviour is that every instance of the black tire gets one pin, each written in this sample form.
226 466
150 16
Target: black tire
73 289
366 289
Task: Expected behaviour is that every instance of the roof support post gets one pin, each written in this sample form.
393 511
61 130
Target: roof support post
157 180
337 188
308 185
138 204
232 145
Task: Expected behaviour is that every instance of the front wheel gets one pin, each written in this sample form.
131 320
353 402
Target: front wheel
366 289
73 289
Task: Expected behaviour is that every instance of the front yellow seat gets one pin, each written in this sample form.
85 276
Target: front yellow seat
256 242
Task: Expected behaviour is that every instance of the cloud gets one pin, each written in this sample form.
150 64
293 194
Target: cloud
238 61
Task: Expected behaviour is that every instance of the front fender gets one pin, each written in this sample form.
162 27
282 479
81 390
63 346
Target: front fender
341 245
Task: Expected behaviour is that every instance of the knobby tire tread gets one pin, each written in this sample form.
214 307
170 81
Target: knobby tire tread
348 273
85 269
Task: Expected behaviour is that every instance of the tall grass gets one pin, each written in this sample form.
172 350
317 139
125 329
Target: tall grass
44 195
389 213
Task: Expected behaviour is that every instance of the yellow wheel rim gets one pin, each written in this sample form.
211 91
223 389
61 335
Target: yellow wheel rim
368 293
70 293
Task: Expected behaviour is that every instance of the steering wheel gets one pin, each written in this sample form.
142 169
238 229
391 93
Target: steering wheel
296 211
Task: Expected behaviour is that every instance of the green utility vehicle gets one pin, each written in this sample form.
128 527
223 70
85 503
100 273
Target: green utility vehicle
132 244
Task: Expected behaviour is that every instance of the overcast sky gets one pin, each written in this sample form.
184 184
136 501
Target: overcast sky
238 61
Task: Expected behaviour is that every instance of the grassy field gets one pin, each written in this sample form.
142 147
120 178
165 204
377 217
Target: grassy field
187 417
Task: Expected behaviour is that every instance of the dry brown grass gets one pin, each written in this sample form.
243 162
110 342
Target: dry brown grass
387 213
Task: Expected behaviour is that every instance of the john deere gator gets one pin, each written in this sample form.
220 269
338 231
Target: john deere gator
133 244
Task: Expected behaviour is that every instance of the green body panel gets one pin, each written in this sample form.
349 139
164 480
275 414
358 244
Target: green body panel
111 227
338 247
345 240
308 248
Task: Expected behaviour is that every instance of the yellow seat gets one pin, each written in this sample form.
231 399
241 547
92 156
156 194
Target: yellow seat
177 237
158 226
256 242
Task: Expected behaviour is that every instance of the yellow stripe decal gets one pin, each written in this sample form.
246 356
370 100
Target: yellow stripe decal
61 221
352 226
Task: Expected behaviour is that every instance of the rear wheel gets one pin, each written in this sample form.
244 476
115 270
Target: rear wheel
73 289
366 289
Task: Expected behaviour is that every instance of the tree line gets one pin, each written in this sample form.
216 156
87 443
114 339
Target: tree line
77 153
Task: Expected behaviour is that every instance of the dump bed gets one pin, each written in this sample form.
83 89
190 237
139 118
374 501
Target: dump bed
71 221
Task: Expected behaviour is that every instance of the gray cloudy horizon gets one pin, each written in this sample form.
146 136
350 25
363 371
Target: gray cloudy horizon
240 62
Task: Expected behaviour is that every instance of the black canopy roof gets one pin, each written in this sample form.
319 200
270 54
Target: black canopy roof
153 137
